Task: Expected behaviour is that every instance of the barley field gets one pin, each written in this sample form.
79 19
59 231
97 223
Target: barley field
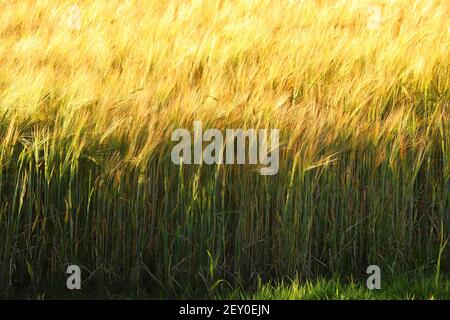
91 92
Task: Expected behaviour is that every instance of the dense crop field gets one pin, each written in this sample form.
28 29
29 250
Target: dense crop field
91 94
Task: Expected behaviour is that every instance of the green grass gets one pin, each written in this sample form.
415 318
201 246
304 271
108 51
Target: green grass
418 287
405 287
